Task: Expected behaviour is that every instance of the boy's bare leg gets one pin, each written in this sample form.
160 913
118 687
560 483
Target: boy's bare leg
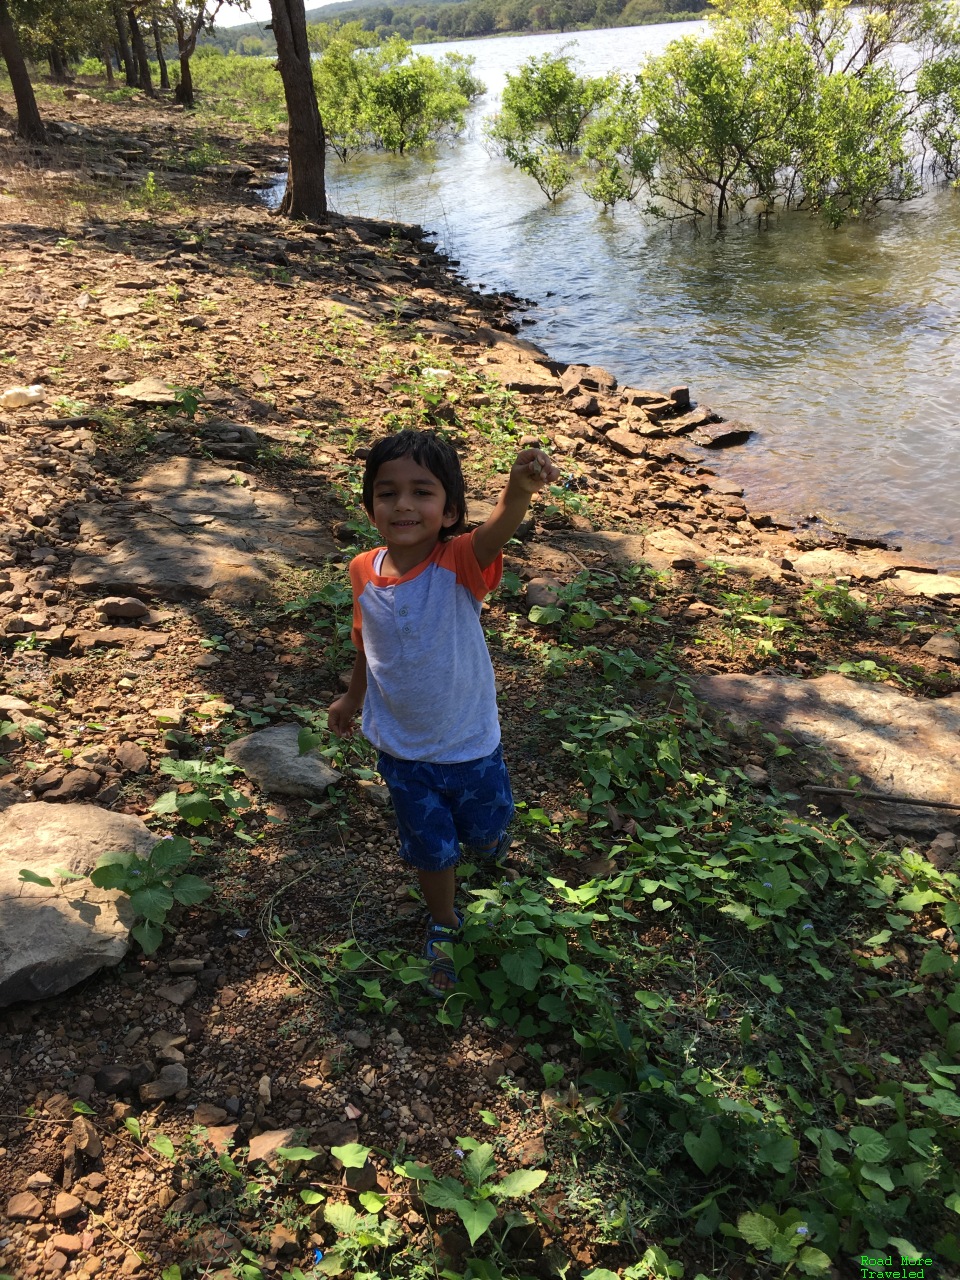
438 889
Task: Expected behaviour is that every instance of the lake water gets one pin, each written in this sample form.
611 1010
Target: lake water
842 348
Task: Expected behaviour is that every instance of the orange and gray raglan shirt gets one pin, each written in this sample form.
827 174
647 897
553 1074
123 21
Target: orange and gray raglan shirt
430 686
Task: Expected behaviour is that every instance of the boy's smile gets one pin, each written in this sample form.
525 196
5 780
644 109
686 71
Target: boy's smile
410 512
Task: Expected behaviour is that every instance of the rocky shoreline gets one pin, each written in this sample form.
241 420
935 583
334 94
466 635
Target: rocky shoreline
208 381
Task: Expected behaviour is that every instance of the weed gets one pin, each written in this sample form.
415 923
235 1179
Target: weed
836 604
207 795
150 195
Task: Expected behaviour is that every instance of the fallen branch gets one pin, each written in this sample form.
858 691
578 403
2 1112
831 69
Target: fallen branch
873 795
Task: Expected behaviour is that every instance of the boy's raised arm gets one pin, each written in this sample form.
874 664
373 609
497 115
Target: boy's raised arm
532 470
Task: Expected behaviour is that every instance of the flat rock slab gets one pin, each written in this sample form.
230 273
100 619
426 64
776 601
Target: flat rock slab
897 745
869 564
931 586
198 530
271 759
146 390
50 940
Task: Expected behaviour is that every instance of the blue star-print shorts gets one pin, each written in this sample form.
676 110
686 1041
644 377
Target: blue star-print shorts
441 806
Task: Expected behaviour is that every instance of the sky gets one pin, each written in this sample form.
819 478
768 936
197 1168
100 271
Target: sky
232 16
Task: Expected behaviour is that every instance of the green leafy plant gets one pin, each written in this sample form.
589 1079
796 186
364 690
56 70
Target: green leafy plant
154 883
476 1197
836 604
207 795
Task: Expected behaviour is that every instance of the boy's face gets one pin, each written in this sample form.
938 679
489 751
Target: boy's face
410 506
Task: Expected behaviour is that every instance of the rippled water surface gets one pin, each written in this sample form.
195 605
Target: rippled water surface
841 348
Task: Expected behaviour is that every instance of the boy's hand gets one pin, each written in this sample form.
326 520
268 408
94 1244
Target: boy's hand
341 714
533 470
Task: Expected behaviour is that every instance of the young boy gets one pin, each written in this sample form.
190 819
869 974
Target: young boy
423 674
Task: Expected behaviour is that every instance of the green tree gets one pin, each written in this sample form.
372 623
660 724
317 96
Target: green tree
385 97
188 18
938 93
342 84
410 99
781 106
545 109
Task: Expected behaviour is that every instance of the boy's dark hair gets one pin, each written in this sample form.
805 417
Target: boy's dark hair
429 450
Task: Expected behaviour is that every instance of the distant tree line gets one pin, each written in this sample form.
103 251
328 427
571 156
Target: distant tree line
423 22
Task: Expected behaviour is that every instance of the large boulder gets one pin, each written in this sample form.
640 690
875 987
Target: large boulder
271 758
897 745
51 939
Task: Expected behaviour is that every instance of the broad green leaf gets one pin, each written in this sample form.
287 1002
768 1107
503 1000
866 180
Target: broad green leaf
167 855
307 740
812 1262
479 1166
476 1218
489 1118
601 1273
372 1201
297 1153
778 1152
171 1273
111 877
521 1182
446 1194
312 1197
162 1144
943 1100
523 967
153 902
331 1264
83 1109
919 899
772 983
418 1172
871 1147
704 1149
190 890
342 1218
148 934
877 1173
167 803
757 1230
935 961
132 1125
353 1155
228 1165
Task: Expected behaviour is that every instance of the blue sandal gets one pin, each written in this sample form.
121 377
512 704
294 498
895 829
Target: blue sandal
441 966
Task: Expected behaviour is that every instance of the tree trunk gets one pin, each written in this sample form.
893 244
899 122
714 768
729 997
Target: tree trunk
108 64
184 91
164 78
306 195
29 125
58 65
145 79
126 57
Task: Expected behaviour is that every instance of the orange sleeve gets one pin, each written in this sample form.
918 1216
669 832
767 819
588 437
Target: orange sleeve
458 554
361 568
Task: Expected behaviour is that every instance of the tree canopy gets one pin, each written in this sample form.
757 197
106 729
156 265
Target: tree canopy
804 105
